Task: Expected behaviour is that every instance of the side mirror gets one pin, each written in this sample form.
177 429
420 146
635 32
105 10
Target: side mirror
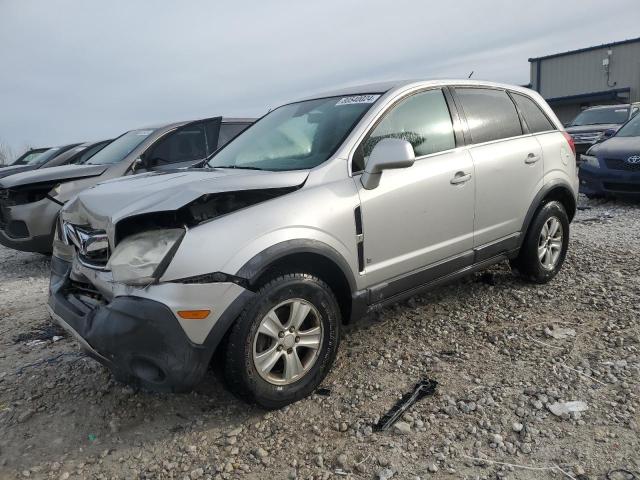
389 153
138 164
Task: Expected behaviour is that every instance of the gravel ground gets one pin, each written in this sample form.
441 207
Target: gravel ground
504 352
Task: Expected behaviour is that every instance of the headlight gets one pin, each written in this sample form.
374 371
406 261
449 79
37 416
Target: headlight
590 160
136 259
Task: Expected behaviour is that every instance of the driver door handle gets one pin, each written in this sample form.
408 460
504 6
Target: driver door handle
531 158
460 177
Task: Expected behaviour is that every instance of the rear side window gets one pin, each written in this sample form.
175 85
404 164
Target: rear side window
422 119
491 115
536 120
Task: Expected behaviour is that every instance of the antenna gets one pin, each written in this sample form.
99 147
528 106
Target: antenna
470 74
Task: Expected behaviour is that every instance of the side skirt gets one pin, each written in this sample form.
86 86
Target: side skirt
463 272
412 283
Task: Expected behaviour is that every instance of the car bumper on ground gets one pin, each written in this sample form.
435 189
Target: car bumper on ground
603 181
29 227
139 339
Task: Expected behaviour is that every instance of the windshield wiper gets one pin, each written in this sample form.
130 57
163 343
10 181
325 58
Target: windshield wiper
237 167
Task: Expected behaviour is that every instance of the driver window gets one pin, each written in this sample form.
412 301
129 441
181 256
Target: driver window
184 145
422 119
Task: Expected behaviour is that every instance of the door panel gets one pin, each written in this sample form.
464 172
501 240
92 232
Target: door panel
508 176
416 216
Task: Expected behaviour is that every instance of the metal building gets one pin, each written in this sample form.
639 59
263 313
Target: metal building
600 75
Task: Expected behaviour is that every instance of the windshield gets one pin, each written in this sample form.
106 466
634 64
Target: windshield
631 129
29 158
122 146
601 115
296 136
42 157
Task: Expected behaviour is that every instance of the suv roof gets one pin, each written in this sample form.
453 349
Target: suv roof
383 87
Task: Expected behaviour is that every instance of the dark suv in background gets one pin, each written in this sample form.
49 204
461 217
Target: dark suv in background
598 123
26 158
33 162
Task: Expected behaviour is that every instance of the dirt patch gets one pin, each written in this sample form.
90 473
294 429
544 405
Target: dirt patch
506 356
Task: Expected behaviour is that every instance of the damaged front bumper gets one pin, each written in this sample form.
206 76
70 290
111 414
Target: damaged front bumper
136 333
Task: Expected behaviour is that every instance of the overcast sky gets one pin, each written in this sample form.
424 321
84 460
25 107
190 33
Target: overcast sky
84 70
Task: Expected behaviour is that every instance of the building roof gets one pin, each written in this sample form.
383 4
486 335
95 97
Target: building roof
587 49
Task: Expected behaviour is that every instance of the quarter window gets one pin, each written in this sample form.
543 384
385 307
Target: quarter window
490 114
536 120
422 119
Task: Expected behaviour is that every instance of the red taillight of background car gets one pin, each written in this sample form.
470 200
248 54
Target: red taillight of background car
571 142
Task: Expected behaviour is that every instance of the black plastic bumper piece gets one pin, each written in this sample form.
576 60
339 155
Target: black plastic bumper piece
139 339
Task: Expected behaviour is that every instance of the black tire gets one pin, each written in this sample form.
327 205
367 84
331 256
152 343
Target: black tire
527 264
241 374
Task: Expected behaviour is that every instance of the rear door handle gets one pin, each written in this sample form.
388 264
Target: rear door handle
531 158
460 177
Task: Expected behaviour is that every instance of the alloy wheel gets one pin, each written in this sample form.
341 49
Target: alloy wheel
288 341
550 243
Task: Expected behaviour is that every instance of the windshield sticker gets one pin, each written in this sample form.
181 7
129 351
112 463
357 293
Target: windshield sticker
144 133
621 110
358 99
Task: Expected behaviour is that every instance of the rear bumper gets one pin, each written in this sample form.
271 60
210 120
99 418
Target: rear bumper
29 227
604 181
139 339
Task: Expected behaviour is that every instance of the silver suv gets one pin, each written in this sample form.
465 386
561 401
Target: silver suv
323 210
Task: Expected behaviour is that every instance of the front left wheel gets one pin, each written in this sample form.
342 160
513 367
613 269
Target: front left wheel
285 341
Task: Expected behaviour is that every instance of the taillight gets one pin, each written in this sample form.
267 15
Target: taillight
572 144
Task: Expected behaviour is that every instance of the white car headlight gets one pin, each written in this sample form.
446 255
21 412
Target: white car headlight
136 259
590 160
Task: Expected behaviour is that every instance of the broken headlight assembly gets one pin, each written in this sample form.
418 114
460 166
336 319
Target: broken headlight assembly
141 258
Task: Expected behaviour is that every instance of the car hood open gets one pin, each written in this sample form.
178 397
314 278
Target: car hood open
107 203
53 174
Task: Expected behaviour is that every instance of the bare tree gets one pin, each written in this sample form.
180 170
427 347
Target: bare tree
6 155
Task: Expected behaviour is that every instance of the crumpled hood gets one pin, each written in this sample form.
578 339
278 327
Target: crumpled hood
617 147
53 174
601 127
15 169
107 203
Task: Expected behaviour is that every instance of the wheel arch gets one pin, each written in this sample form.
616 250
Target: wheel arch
304 256
556 190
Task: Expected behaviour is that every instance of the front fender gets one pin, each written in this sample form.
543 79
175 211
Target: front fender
260 262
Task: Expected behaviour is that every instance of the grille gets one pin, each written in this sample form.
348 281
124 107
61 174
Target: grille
622 187
617 164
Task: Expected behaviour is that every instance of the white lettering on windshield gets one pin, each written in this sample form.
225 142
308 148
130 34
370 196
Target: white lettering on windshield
355 99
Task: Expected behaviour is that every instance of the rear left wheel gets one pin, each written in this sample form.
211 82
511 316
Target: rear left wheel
545 245
284 343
